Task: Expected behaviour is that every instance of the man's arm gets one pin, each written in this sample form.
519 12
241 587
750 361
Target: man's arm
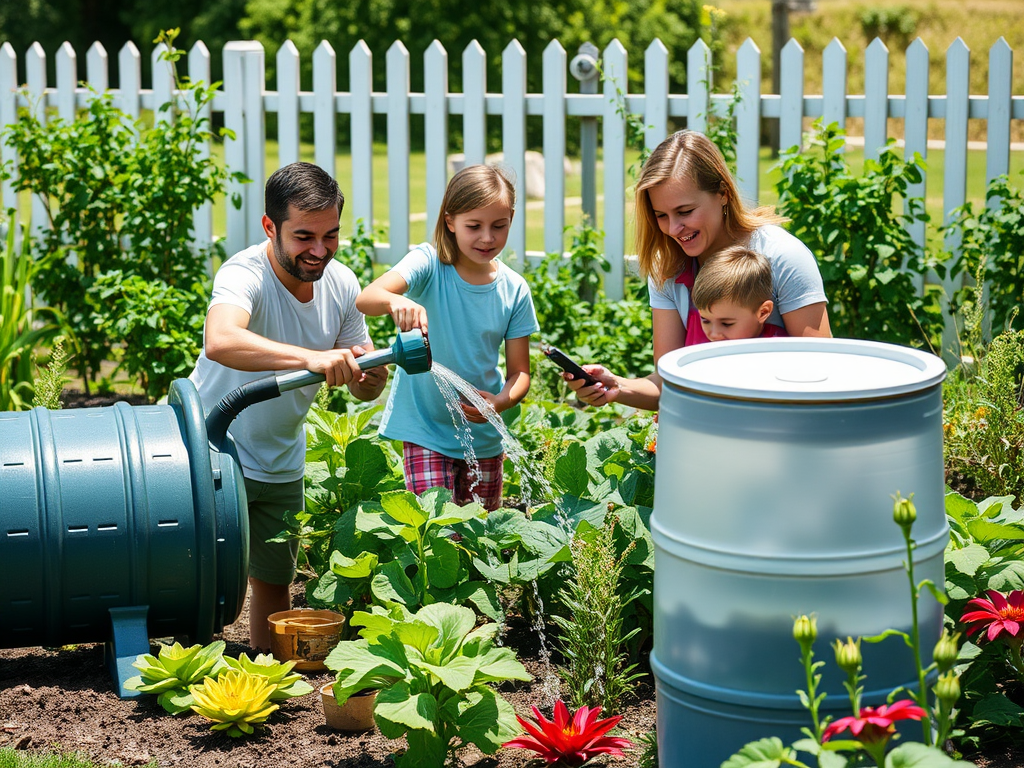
230 343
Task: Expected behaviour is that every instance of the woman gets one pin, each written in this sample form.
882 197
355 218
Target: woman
687 210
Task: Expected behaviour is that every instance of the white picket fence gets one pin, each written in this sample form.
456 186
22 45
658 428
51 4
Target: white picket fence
245 100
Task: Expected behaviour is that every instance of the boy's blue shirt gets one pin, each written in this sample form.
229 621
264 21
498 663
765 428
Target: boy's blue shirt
468 325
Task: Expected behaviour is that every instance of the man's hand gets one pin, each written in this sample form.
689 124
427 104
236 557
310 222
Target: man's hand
337 365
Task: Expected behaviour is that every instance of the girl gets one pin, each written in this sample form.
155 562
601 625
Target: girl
474 303
687 210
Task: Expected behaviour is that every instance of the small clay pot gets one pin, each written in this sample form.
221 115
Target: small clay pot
356 714
304 636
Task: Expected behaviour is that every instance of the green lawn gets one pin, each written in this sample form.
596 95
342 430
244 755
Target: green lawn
534 209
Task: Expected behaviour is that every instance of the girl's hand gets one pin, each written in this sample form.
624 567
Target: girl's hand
407 314
605 391
473 413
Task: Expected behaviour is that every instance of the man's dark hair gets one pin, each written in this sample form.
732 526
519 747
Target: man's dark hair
306 186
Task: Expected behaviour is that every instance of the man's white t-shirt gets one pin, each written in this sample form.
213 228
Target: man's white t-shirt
269 435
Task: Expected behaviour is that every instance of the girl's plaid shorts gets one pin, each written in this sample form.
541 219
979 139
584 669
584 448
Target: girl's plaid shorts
428 469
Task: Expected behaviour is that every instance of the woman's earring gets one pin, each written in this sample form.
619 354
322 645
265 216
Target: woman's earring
725 211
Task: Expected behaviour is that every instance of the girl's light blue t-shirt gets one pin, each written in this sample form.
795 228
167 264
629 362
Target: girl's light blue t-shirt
468 325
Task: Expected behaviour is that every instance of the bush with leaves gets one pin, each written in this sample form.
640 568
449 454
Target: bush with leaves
119 195
992 250
434 669
983 419
868 260
22 328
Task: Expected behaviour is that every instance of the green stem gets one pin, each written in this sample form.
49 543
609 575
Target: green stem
915 641
807 655
1016 661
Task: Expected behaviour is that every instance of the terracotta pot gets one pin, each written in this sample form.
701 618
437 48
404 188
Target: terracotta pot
305 636
356 714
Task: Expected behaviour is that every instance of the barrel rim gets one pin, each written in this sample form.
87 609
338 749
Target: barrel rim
932 370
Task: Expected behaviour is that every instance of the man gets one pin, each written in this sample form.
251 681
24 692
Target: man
284 304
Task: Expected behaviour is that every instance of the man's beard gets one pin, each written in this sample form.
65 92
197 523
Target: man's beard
292 267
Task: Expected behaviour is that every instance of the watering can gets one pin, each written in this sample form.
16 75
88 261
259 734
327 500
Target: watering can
122 523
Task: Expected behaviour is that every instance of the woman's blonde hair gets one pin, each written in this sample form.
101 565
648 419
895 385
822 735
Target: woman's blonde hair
475 186
734 274
693 156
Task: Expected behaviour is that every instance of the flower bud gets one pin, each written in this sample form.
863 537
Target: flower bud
947 688
946 651
805 631
848 655
904 512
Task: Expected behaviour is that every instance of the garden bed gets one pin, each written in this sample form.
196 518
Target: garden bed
63 700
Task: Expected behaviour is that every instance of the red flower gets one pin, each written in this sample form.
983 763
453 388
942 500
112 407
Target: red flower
875 725
997 614
570 742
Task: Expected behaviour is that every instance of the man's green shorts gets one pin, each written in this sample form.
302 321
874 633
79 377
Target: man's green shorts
272 563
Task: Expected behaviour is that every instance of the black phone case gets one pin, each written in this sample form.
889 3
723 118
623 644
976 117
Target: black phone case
559 358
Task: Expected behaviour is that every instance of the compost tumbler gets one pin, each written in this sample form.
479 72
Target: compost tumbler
122 523
777 462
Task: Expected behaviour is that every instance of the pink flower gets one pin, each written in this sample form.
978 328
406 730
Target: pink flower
997 614
570 742
875 725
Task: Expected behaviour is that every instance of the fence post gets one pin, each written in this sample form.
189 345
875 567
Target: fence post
202 216
834 84
915 127
954 185
67 81
655 94
876 98
554 147
698 82
163 84
360 78
288 87
435 90
398 150
9 116
584 68
748 120
234 148
35 72
96 70
615 111
129 69
255 139
513 139
325 123
474 95
791 92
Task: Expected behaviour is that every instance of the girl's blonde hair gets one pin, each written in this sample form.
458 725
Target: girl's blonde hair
475 186
693 156
734 274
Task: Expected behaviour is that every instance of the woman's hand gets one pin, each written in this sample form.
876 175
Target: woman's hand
605 391
407 314
498 403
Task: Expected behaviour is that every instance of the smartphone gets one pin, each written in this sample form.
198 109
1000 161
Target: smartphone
563 361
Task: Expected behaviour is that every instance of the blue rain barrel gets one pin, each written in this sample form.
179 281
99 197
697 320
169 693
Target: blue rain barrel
114 508
777 462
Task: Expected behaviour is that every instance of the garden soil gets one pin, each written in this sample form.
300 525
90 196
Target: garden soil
62 700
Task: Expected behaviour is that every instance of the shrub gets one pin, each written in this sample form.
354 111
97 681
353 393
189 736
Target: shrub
868 259
119 196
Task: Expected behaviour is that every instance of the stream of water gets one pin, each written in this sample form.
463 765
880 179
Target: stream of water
533 484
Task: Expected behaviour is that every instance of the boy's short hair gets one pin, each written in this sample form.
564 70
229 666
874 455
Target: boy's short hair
734 274
306 186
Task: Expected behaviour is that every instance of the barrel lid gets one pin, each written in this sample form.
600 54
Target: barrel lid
801 369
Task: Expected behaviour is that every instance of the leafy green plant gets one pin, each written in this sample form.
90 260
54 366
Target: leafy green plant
896 23
586 260
174 670
286 683
596 671
983 419
22 328
647 749
357 253
160 325
985 555
50 380
434 670
236 701
992 249
119 195
854 226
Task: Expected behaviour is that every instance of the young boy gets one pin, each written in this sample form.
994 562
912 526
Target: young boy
733 293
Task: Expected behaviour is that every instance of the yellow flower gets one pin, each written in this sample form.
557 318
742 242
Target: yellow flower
235 701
